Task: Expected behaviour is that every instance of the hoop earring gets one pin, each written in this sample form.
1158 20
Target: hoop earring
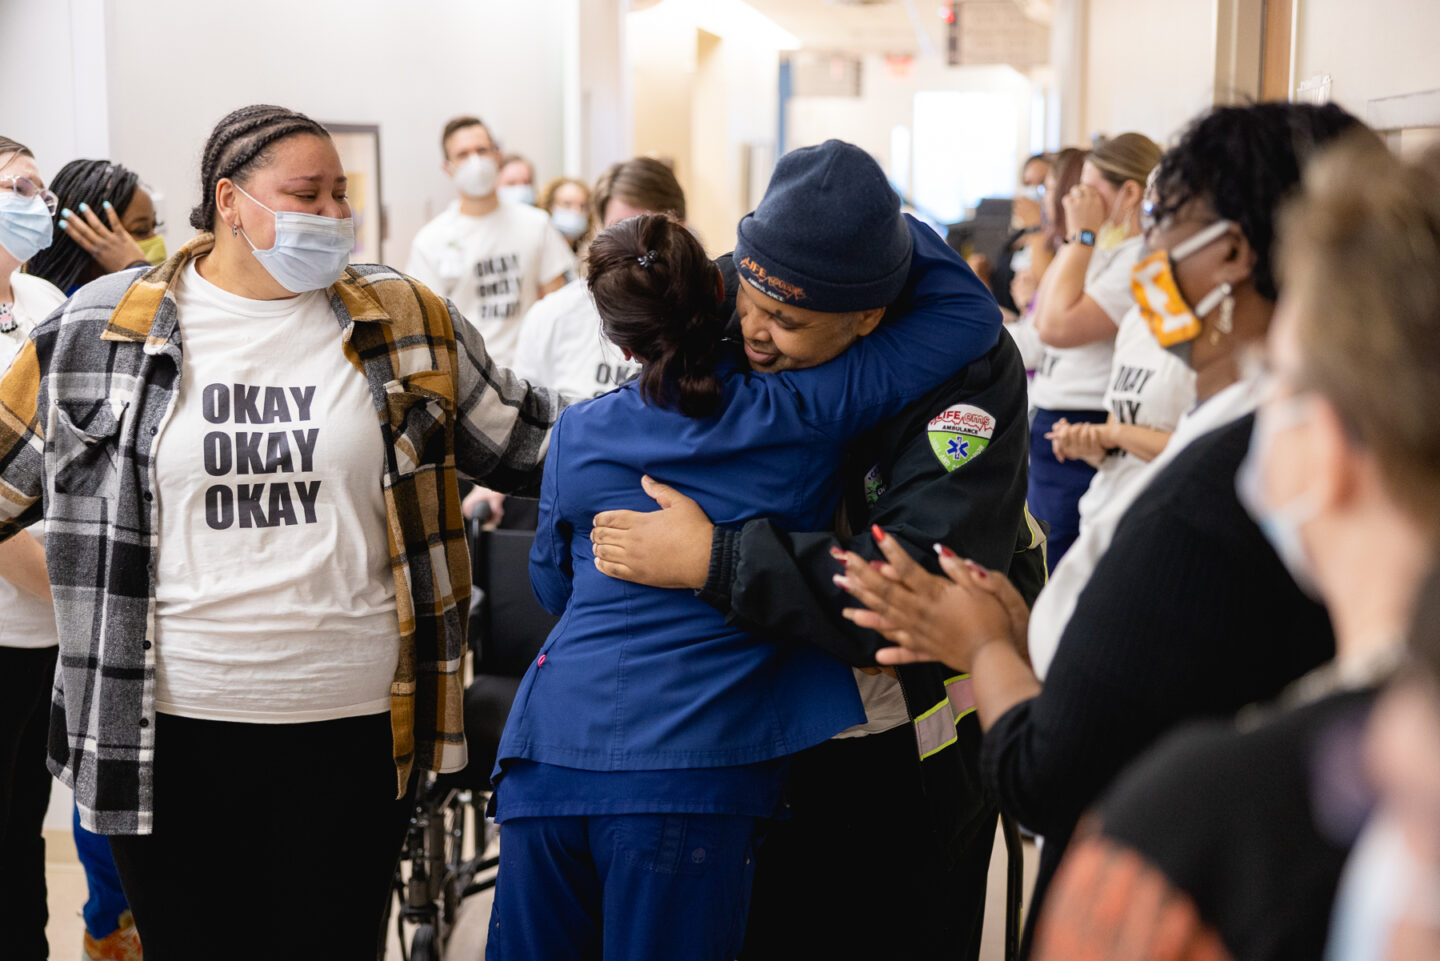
1226 322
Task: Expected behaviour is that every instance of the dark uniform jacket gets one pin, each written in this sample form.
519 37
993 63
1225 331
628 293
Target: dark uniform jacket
952 469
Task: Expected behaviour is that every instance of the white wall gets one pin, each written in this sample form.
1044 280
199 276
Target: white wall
886 101
52 79
1149 66
700 98
1372 50
178 66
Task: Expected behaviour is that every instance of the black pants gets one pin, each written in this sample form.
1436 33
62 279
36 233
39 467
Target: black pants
857 871
26 677
270 840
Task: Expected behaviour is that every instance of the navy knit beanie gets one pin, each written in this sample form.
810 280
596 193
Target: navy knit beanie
828 234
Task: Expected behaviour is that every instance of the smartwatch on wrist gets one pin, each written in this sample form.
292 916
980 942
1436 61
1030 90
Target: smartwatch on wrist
1085 238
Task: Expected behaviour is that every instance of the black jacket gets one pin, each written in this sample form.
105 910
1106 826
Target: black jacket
779 585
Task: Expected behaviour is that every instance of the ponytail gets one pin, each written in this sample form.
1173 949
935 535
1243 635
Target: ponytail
656 291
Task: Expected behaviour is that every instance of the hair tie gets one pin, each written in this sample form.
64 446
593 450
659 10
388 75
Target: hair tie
647 258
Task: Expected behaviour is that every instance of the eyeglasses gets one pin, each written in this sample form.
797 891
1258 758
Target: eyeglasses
28 188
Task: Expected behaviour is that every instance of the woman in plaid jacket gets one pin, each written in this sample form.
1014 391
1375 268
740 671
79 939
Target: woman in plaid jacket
235 647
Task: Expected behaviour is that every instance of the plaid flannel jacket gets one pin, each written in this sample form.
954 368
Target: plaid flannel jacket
80 408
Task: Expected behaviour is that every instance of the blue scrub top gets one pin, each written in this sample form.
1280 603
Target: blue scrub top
636 678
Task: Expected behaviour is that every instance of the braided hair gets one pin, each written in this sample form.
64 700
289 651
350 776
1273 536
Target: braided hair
239 145
657 296
65 263
1245 161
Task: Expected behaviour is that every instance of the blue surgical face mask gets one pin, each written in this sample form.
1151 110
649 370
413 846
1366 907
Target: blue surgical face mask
1280 524
25 225
310 252
571 223
516 193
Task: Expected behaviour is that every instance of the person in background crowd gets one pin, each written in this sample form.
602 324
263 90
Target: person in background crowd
648 718
1385 908
106 222
28 642
233 651
515 182
1079 305
567 201
1027 218
1189 612
1149 390
1063 174
492 259
86 248
1241 833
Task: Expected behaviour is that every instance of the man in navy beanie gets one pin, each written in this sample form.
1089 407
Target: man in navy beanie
887 844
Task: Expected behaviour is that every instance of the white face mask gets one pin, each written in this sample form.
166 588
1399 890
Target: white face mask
1280 525
517 193
571 223
475 176
310 252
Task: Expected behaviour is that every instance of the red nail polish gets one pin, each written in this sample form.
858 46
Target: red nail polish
541 662
837 553
877 532
945 551
877 564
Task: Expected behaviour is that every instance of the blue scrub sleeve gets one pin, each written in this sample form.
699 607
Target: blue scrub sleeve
552 572
948 320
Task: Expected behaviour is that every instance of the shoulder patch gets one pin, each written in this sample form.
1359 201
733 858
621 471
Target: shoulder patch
959 434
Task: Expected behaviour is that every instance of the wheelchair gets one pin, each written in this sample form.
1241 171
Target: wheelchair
439 866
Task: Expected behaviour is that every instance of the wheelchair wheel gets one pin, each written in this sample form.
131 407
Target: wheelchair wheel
425 946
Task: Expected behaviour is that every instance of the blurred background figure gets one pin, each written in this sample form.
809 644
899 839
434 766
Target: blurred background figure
106 222
29 644
491 258
516 182
567 201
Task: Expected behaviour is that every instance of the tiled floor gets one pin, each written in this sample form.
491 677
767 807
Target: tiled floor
67 893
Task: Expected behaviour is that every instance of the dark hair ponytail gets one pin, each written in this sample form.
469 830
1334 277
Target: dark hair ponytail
656 291
239 144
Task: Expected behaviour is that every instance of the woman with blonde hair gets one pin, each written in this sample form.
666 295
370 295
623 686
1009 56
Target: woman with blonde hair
1078 308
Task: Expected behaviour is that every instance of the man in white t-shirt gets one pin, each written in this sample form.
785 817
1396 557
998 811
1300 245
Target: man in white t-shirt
492 259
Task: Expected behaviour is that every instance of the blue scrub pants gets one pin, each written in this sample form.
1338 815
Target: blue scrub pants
1055 488
107 901
647 887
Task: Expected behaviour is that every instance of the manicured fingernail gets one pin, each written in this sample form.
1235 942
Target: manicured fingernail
64 224
107 203
84 207
66 212
841 582
879 534
837 553
944 551
541 661
877 565
975 569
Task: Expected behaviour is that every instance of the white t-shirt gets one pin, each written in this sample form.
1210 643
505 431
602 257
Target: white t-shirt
1149 386
492 267
26 621
274 598
562 346
1075 378
1057 599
